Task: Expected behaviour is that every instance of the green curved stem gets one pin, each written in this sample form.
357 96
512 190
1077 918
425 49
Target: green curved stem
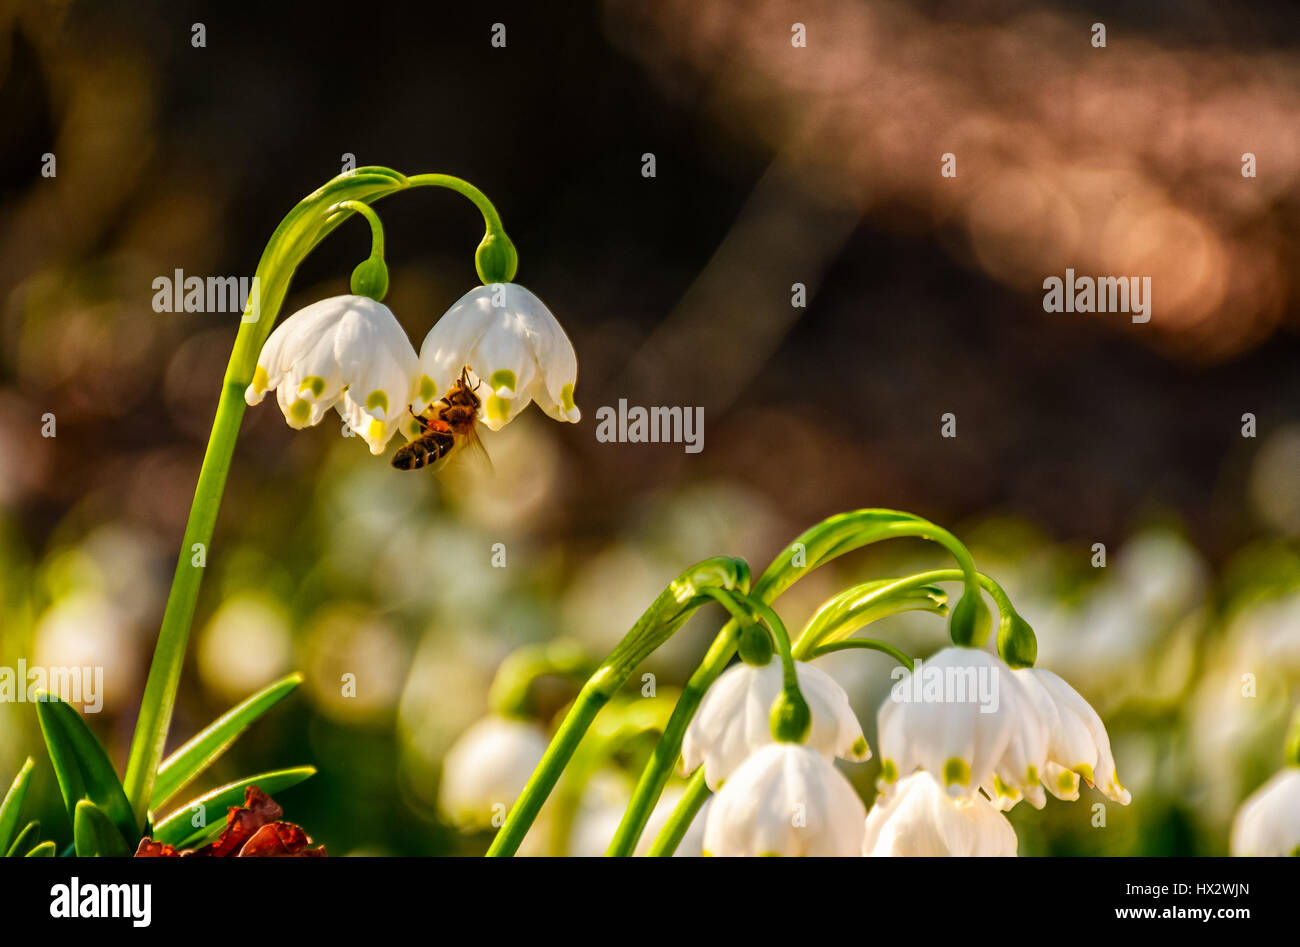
744 608
376 228
1000 598
780 638
865 644
809 643
679 822
303 228
490 217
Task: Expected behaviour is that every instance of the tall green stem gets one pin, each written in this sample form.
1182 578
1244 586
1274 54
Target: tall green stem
169 652
655 775
683 814
660 622
595 694
302 229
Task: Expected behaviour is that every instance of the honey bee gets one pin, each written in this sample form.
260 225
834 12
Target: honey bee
448 426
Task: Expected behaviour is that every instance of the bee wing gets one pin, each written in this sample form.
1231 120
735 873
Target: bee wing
475 446
467 448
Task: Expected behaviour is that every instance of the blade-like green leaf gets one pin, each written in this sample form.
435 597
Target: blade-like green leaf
95 835
44 850
859 606
13 804
199 753
178 827
82 766
28 837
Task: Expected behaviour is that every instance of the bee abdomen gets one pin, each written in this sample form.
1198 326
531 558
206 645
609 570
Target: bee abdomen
422 451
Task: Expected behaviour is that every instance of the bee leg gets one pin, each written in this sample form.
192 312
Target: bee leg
422 421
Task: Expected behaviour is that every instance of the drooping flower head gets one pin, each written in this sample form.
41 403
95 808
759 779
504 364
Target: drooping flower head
734 719
487 768
785 799
1078 745
964 717
346 352
918 818
511 340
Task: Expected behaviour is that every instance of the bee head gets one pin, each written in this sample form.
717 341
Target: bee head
468 393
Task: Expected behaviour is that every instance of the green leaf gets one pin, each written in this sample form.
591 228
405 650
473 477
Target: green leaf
845 532
44 850
26 839
82 766
178 828
95 835
179 769
856 607
13 804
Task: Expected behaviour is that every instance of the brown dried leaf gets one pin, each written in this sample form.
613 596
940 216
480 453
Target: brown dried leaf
151 849
253 830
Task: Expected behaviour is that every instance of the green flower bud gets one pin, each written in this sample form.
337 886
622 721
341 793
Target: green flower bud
790 720
970 622
755 645
496 259
1016 641
370 278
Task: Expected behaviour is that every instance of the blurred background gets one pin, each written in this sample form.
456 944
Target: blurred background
775 165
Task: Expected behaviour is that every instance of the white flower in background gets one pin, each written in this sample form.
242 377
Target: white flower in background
1161 573
511 340
486 769
734 719
1268 822
245 645
917 818
1077 741
786 799
964 718
347 352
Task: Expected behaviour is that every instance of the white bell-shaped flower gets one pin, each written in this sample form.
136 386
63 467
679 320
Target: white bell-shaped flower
510 339
733 719
486 769
786 799
1268 822
1019 772
1078 745
917 818
347 352
963 717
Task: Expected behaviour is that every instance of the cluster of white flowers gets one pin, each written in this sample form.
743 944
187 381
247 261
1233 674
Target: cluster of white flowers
350 353
962 738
